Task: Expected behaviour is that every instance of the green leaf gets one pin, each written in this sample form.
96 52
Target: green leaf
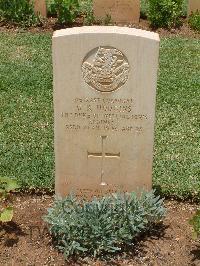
6 215
81 249
8 184
11 185
4 180
3 194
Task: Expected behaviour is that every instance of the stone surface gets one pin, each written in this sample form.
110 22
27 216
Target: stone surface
121 11
40 7
193 6
104 101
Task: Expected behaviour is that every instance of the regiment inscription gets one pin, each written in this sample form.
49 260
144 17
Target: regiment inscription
99 114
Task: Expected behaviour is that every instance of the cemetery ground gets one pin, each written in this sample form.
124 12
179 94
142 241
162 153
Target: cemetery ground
26 241
26 141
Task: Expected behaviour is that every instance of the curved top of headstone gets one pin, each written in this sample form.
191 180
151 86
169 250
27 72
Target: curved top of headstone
107 30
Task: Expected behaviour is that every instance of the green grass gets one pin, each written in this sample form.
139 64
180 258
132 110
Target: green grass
26 115
177 150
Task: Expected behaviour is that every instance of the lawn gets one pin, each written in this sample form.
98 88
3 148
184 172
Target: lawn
26 102
26 134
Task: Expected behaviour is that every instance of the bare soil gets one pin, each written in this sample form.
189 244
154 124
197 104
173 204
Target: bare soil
50 25
26 241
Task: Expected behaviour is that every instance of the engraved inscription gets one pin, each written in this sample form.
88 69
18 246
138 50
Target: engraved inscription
105 115
103 155
105 69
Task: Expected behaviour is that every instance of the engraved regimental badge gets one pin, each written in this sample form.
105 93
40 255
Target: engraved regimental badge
105 69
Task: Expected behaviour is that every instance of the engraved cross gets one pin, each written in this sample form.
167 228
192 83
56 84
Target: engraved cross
103 155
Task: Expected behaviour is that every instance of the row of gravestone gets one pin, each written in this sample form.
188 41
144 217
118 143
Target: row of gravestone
120 11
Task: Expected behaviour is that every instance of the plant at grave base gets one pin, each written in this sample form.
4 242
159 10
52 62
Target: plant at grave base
144 8
165 13
194 21
195 222
104 225
67 10
185 8
20 12
6 186
86 10
51 10
107 20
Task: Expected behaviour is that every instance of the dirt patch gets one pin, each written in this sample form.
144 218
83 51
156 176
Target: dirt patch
26 240
50 25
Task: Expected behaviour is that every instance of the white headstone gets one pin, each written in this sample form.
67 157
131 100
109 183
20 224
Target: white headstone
104 98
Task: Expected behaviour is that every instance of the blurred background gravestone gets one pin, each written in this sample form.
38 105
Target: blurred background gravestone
119 11
40 7
193 6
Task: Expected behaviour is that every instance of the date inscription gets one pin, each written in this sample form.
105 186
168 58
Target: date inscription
104 114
